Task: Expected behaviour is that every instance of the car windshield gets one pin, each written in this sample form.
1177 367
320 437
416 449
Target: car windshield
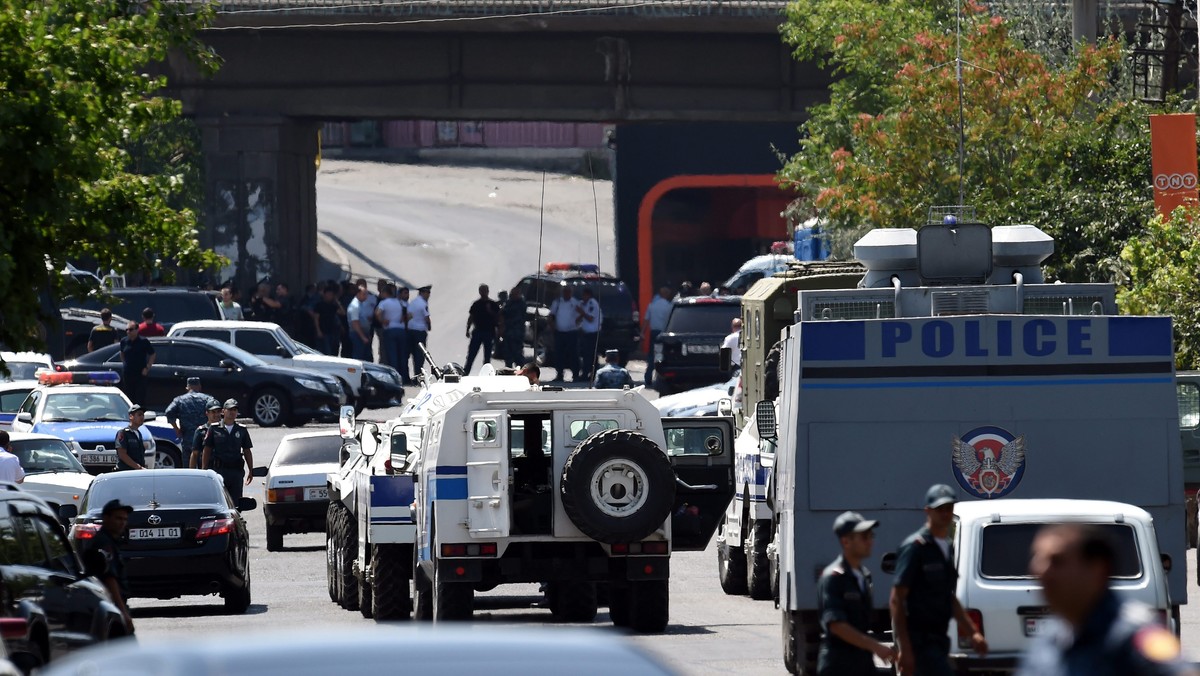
22 370
38 456
85 407
308 450
238 353
1007 550
614 297
304 349
10 400
140 490
703 318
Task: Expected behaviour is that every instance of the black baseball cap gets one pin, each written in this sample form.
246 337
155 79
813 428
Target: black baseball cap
214 405
852 522
113 505
938 495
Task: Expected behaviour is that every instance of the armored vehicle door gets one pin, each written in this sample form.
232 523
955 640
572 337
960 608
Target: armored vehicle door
701 452
487 474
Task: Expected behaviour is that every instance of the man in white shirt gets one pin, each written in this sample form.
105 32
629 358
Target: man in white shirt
656 321
419 325
731 342
391 313
565 313
10 465
590 319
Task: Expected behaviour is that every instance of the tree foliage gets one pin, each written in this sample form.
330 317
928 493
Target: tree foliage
92 164
1163 263
1048 139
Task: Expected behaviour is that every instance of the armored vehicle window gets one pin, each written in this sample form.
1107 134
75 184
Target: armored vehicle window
1007 547
484 430
582 429
517 438
1189 404
694 441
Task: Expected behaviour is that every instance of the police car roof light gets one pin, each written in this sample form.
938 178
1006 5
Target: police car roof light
572 267
79 378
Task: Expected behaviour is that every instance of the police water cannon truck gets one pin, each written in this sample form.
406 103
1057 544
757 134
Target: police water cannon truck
955 363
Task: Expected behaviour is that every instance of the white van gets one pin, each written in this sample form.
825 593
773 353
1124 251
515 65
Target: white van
992 540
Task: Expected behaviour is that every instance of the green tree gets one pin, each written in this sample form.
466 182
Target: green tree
1048 139
1163 264
90 165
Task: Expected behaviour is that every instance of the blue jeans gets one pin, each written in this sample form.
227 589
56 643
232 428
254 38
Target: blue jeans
395 350
362 349
480 338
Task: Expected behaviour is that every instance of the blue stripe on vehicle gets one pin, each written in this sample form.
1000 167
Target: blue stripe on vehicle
448 489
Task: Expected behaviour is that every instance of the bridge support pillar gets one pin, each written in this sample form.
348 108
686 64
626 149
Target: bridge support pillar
261 197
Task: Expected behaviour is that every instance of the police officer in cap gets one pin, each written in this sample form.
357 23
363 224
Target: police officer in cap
1100 634
131 449
226 447
923 593
845 593
102 556
213 413
187 411
612 376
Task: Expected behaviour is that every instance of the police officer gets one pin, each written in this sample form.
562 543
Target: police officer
923 599
226 446
1101 635
102 556
131 449
845 593
612 376
187 411
213 415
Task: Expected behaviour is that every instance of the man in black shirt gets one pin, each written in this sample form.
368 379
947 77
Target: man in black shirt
484 315
102 556
137 354
326 316
104 333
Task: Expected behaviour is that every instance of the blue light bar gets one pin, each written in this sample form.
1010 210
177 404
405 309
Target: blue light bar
79 378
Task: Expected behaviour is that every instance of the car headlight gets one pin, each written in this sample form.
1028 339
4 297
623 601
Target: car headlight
311 384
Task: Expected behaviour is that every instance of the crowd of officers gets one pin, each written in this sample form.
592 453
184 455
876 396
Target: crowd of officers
1100 634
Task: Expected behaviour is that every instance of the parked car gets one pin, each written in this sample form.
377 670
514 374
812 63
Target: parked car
43 582
52 472
186 534
25 365
171 304
12 394
619 328
699 401
297 484
271 395
992 545
687 352
755 269
77 325
270 343
90 416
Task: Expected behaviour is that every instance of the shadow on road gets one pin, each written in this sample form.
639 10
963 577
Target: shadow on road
307 548
192 611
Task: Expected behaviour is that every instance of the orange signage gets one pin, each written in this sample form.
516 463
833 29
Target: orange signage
1173 160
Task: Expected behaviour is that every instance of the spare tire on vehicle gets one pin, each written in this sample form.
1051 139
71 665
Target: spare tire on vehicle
618 486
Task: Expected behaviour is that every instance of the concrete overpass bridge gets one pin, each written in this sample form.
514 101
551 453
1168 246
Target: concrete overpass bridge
690 68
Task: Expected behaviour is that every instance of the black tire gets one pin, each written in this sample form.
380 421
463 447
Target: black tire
390 568
771 371
168 456
270 407
347 553
366 597
32 657
758 569
453 601
618 606
731 562
801 640
614 520
237 601
572 601
423 595
649 606
773 568
332 513
274 538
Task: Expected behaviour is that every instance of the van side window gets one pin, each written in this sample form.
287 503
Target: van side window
1188 395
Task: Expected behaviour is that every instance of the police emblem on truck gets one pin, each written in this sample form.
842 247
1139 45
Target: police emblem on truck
988 461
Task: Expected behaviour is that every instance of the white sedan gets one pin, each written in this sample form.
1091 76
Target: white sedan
699 401
52 472
297 484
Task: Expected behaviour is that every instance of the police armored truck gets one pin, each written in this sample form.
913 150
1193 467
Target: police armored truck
954 363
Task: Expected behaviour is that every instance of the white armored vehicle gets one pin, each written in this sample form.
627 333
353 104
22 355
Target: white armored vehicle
954 363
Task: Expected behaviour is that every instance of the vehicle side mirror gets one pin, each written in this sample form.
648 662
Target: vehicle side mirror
25 417
888 564
66 513
150 415
259 471
279 350
726 359
369 447
227 364
247 504
764 415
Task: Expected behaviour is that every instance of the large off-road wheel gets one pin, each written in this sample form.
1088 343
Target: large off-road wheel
346 554
801 639
618 486
274 538
390 569
572 601
773 565
270 407
731 561
366 596
649 606
453 601
332 513
758 568
423 595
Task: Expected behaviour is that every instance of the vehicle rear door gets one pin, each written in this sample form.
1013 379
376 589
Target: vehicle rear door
701 452
487 474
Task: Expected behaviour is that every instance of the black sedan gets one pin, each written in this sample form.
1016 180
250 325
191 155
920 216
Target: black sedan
272 395
687 353
186 536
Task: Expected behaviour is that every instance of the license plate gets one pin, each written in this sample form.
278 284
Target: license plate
316 494
701 349
165 533
97 458
1037 626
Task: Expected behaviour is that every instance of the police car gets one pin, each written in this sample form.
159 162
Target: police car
11 396
87 409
